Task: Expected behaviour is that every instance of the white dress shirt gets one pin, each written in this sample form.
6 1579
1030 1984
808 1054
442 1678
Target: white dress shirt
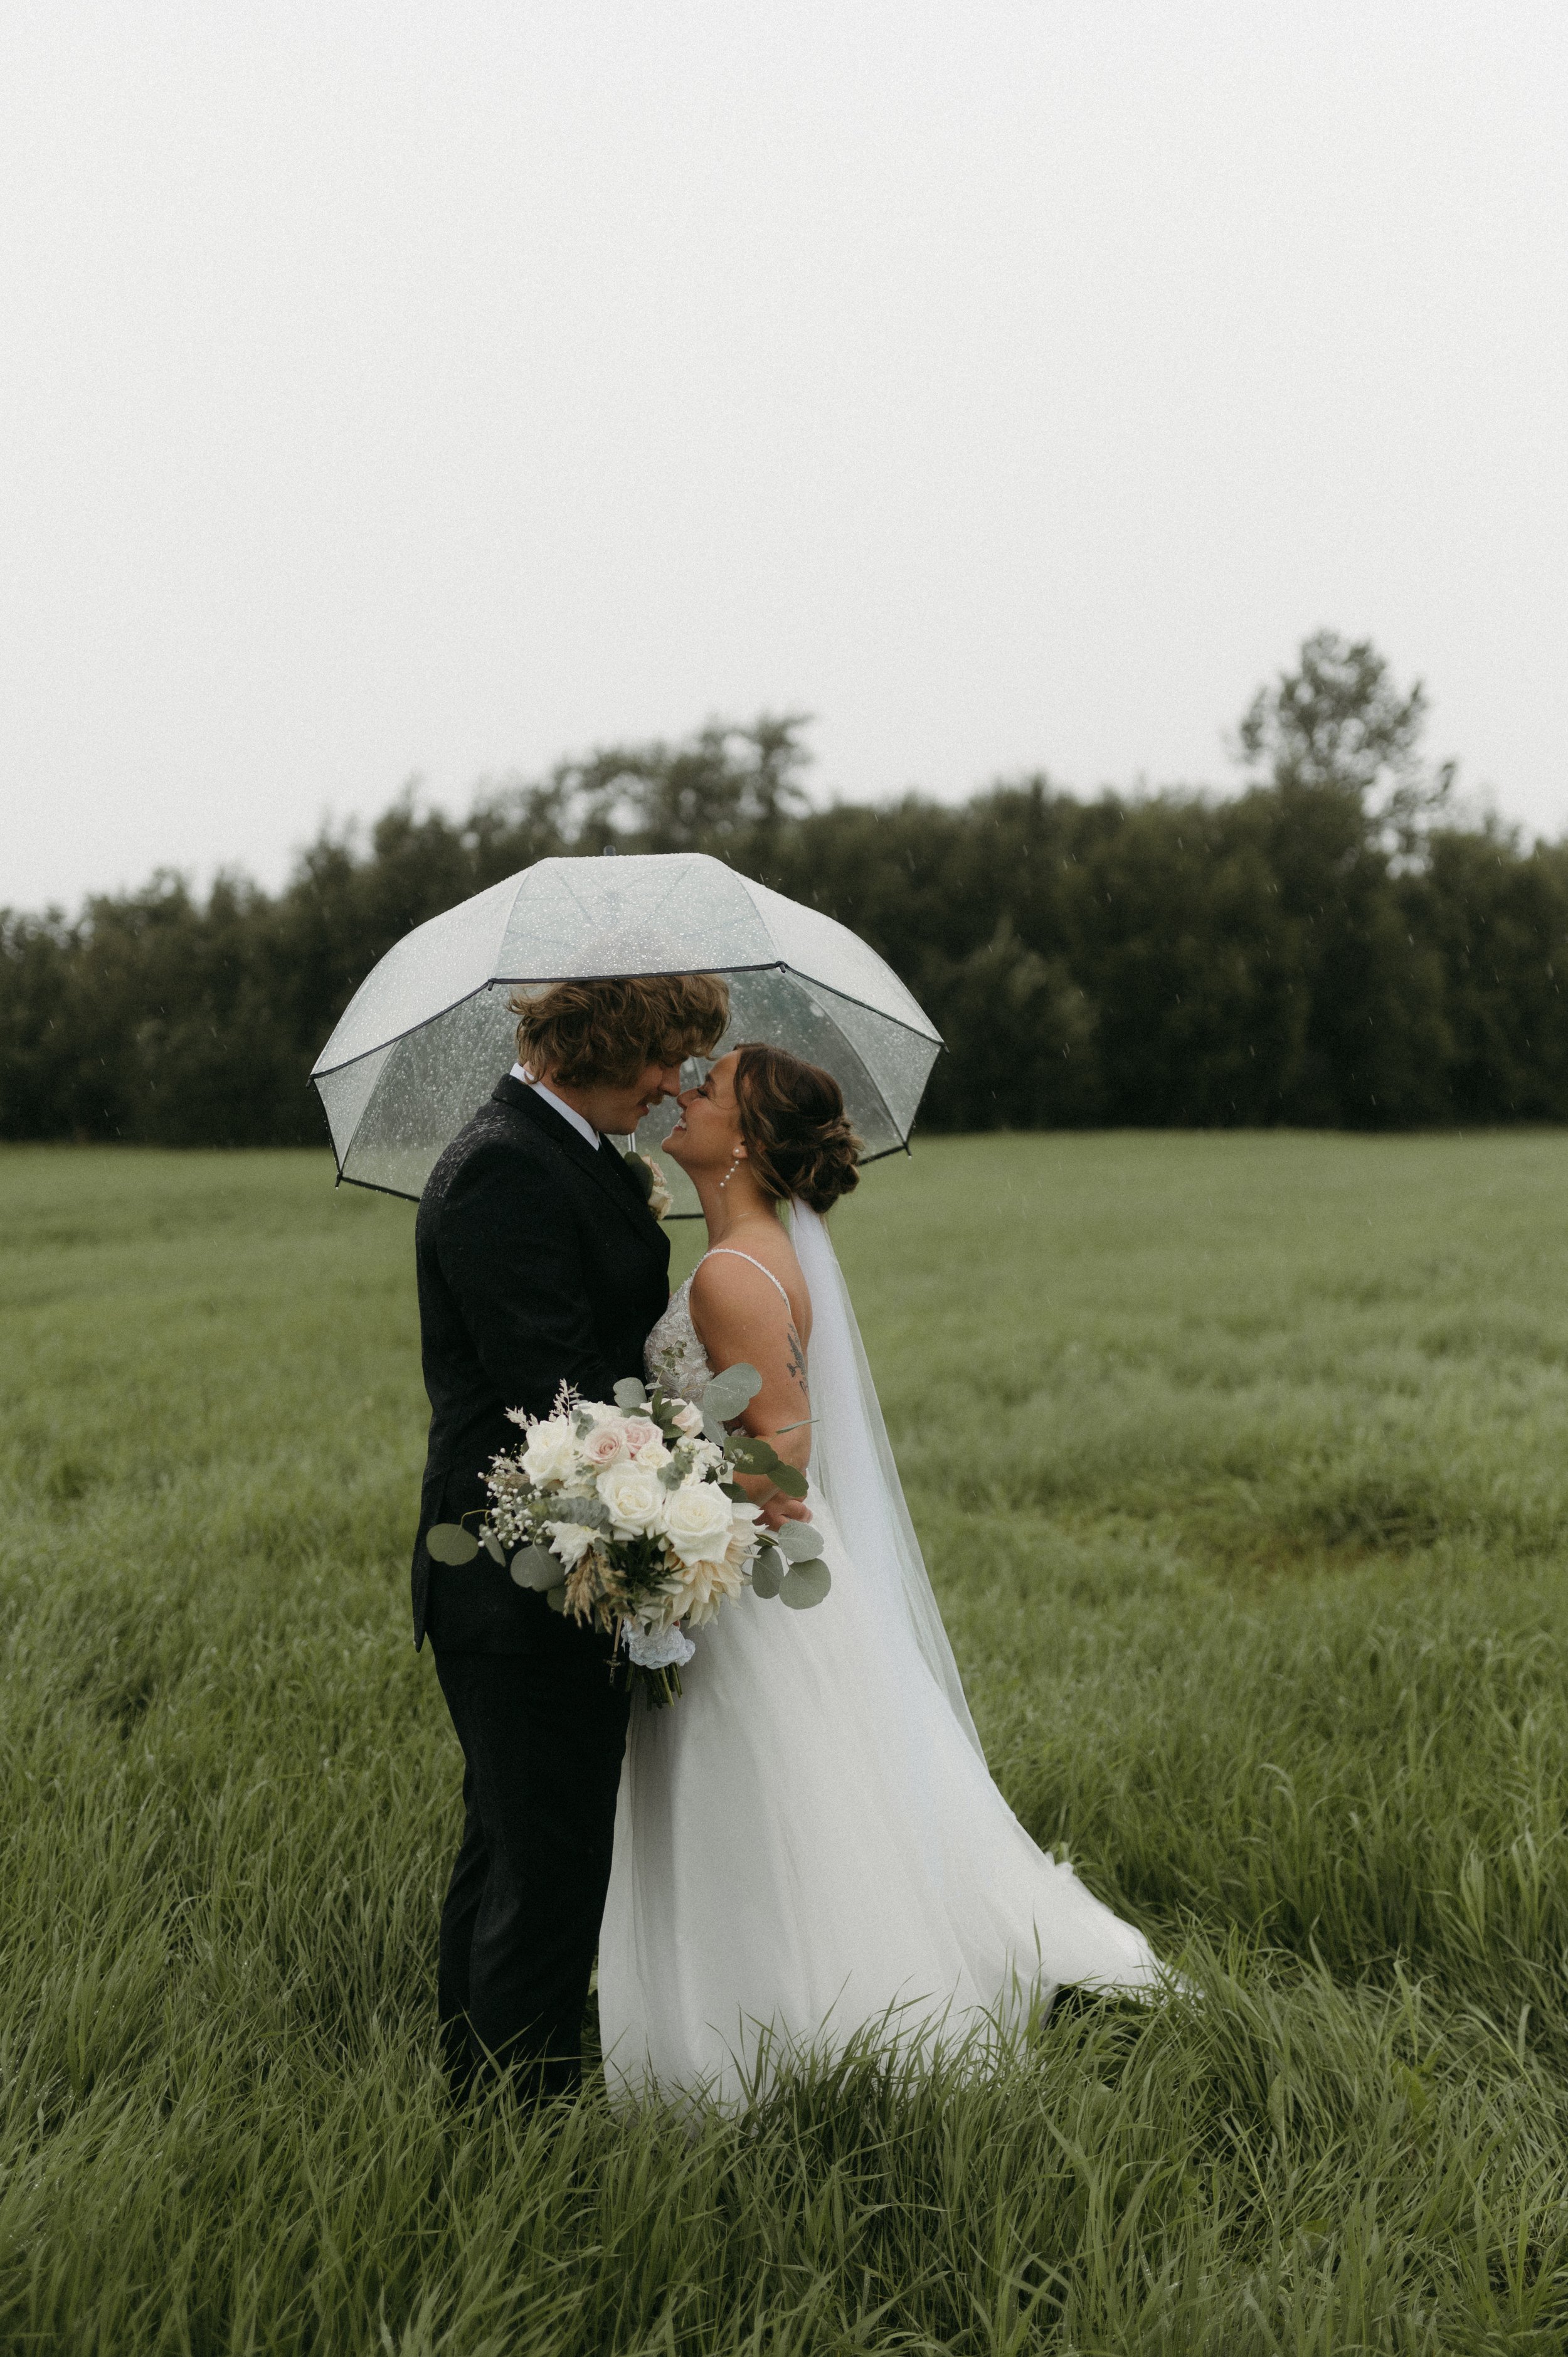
583 1127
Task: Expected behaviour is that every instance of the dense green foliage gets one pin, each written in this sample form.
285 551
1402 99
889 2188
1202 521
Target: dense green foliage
1243 1463
1326 948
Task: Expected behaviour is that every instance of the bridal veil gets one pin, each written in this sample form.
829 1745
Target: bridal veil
854 1465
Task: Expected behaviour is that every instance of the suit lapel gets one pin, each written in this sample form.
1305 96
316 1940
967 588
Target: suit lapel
604 1167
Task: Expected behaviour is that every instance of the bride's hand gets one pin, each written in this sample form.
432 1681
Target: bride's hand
780 1508
774 1505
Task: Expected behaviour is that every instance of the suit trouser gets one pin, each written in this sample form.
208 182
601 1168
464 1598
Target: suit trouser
542 1732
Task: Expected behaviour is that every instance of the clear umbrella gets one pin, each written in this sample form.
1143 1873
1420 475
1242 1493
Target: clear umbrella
427 1034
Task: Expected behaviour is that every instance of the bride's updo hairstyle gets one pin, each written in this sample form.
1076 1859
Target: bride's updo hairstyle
798 1138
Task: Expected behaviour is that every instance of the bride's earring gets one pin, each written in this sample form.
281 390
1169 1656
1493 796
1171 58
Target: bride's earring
736 1158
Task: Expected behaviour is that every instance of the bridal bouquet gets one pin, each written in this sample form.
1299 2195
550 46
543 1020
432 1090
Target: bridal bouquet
629 1517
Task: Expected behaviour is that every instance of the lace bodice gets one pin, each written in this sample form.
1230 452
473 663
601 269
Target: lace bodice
672 1357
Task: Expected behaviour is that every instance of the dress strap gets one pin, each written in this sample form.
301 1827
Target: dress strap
730 1253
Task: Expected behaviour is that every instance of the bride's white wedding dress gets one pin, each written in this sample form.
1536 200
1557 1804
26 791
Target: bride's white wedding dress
809 1842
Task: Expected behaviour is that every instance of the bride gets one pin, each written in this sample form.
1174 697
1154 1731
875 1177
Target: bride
809 1843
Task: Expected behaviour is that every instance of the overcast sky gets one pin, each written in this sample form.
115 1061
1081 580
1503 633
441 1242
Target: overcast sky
439 388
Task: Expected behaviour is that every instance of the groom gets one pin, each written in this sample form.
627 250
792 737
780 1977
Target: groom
539 1263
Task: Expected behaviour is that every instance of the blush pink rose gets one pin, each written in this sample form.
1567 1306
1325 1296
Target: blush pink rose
638 1432
604 1445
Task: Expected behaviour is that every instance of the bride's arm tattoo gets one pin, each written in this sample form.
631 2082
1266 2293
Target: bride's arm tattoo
798 1364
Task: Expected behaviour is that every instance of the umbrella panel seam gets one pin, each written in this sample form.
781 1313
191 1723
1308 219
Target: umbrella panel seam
933 1038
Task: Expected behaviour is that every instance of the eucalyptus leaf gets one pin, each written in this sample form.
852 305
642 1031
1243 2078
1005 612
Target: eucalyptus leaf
767 1573
733 1491
557 1598
629 1394
798 1541
592 1512
752 1456
727 1394
760 1458
537 1568
714 1430
450 1542
806 1584
493 1547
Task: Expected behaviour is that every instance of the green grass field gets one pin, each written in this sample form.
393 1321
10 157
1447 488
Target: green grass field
1242 1466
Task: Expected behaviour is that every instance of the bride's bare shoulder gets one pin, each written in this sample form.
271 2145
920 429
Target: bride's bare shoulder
752 1271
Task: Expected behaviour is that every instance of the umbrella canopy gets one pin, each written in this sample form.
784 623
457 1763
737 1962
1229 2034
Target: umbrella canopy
427 1034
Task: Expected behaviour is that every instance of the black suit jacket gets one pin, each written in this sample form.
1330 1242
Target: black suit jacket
539 1261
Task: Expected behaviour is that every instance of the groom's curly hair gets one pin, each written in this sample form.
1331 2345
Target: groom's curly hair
604 1033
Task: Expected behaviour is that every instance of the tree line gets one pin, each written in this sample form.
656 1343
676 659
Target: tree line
1331 946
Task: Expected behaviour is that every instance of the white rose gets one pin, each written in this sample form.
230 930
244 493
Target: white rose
570 1542
698 1522
743 1535
550 1454
635 1497
652 1452
689 1418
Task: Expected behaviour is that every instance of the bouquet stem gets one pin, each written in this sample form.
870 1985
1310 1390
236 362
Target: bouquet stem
659 1688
